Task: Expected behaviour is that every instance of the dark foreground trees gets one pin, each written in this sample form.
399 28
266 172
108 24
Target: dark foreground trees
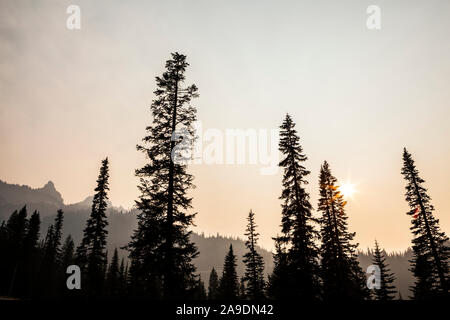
342 277
229 283
386 291
50 268
91 253
30 268
18 249
213 285
253 280
431 253
161 252
112 281
297 242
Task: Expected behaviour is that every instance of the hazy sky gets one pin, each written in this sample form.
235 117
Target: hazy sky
358 96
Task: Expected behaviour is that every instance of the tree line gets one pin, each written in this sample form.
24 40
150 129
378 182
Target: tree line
315 257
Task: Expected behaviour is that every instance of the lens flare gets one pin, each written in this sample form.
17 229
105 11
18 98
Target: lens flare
347 189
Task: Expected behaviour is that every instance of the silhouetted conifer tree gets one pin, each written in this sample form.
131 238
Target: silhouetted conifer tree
228 284
113 276
16 225
278 281
32 234
387 289
50 271
253 281
68 252
299 235
431 254
242 290
91 253
14 234
342 277
66 258
31 257
160 249
17 228
213 285
48 241
57 234
122 279
199 291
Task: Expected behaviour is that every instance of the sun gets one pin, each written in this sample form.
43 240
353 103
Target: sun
347 189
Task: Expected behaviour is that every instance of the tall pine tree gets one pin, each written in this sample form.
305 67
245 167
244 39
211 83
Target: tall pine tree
297 227
387 289
431 253
229 284
160 249
253 279
91 253
342 277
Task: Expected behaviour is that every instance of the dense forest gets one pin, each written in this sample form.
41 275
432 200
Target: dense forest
157 256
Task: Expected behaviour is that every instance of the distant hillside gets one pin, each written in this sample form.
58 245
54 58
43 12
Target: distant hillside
399 265
46 199
122 223
213 250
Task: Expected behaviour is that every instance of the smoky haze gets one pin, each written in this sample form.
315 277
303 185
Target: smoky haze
358 96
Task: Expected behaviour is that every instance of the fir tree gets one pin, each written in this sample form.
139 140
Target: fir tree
253 280
53 250
31 255
431 253
32 234
122 279
17 226
213 285
297 222
160 249
52 241
66 258
58 232
228 284
48 242
242 290
278 280
342 276
91 254
199 291
113 276
15 232
387 290
50 270
67 252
